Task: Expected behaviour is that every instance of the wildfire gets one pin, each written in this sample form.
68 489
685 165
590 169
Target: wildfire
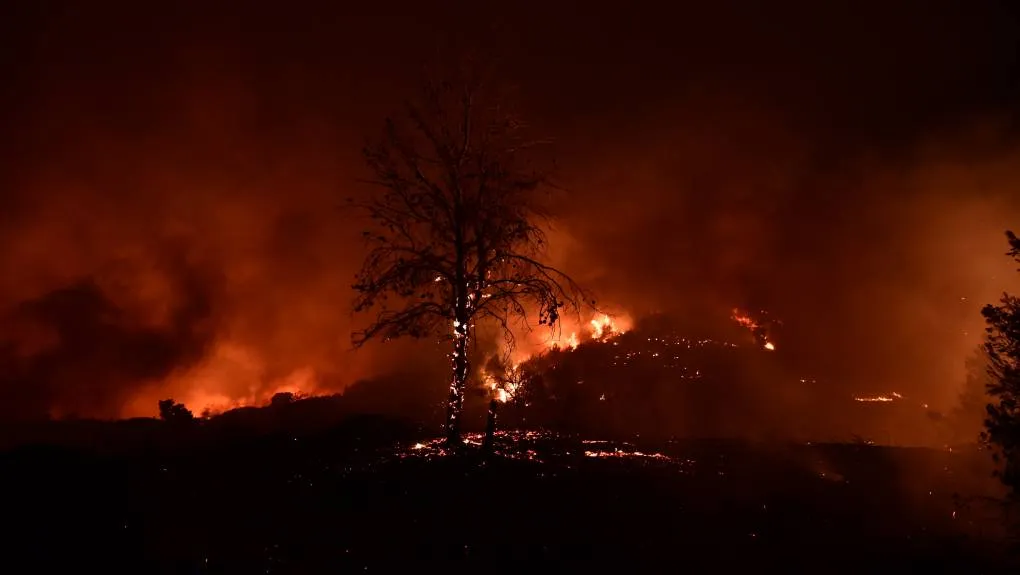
569 343
759 331
601 328
547 447
503 387
878 398
604 327
744 320
301 383
514 444
232 376
619 453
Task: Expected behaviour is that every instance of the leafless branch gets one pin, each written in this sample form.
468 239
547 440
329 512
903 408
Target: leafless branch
457 215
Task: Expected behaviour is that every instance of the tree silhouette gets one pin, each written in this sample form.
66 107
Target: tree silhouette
283 398
1002 426
457 233
174 412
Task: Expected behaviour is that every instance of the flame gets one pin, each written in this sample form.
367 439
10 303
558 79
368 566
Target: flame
883 398
505 386
619 453
571 342
232 376
759 331
744 320
602 328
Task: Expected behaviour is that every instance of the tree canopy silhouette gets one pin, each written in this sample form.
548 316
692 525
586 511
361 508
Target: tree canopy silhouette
457 231
174 412
1002 426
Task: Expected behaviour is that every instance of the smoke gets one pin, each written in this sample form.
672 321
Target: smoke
877 267
163 239
241 268
78 334
171 183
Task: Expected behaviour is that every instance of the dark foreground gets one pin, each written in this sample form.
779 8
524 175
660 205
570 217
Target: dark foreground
312 504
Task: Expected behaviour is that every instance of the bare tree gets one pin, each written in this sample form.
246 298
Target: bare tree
457 233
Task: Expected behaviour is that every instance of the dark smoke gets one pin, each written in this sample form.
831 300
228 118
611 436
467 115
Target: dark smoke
88 352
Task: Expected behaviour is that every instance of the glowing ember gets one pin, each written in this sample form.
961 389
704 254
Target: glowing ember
622 454
515 444
527 445
770 346
878 398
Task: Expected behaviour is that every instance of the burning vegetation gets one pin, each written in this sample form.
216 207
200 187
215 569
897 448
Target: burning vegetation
760 329
776 244
883 398
456 232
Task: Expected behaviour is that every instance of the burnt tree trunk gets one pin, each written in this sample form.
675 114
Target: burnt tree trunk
490 426
458 382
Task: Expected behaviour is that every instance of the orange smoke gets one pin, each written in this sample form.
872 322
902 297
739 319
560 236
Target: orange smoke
231 376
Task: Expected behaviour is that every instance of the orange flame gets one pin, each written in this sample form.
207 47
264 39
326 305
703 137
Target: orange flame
232 376
558 343
602 328
746 321
878 398
504 387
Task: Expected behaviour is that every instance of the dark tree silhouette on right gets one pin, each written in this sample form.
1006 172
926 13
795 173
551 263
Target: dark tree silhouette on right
1002 343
